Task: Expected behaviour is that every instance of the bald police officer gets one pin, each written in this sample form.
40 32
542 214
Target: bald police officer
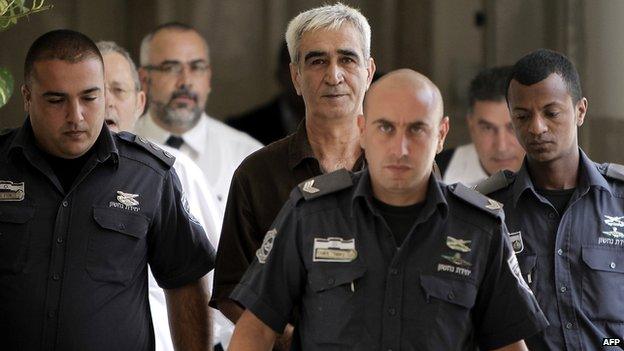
389 258
565 212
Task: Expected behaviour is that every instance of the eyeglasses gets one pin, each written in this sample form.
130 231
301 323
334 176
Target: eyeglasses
196 68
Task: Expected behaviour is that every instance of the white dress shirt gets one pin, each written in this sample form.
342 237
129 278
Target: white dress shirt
465 167
217 149
204 207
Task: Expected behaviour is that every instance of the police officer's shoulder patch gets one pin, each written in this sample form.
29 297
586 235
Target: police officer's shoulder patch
476 199
325 184
150 147
497 181
614 170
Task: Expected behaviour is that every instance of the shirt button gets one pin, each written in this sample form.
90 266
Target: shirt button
59 240
56 276
563 289
331 281
65 203
51 314
451 295
560 252
391 311
612 265
121 226
394 271
568 325
552 215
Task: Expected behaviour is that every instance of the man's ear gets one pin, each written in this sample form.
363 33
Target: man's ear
361 122
442 133
581 111
294 76
371 71
26 96
140 103
144 78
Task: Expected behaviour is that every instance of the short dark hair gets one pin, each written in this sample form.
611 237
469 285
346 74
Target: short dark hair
490 84
61 44
538 65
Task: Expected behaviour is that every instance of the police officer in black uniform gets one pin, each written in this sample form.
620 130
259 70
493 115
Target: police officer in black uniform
565 213
82 212
389 258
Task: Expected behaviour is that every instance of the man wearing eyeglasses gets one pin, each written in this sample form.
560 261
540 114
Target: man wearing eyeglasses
175 74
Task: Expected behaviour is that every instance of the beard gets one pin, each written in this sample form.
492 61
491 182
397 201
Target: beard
178 115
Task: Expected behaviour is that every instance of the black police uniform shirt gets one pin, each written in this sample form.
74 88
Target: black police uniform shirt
331 258
73 265
574 260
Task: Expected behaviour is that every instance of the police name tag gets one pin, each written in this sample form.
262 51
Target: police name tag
334 250
11 191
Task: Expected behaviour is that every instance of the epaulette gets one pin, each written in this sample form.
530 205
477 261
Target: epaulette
477 199
495 182
167 158
325 184
614 170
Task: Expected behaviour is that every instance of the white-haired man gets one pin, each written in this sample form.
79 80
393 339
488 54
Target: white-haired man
175 73
124 104
331 68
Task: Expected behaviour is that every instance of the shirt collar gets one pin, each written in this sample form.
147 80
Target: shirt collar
25 140
195 138
299 149
434 199
589 176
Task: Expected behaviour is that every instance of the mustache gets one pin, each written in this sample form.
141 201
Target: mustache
184 92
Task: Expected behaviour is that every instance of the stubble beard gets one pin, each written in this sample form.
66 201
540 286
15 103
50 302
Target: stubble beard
177 117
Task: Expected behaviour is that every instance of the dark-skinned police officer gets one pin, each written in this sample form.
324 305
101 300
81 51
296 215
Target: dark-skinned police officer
389 258
82 212
565 213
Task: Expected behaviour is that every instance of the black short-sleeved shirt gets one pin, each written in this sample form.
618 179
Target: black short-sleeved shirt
450 286
574 260
260 187
73 265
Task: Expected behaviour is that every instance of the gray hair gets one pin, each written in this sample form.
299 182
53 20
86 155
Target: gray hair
107 47
147 40
326 17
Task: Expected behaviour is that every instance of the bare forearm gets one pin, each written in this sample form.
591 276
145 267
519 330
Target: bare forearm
189 316
517 346
251 334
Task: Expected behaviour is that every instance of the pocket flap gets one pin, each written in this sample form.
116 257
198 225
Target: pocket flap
604 259
16 214
449 290
322 279
132 224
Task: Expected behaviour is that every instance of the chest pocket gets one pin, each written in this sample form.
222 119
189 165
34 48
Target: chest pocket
448 309
334 304
117 246
14 237
603 283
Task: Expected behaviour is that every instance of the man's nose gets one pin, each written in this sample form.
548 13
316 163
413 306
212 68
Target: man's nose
334 74
74 113
537 125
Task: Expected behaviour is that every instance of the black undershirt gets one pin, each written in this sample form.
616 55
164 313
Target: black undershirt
558 198
66 170
400 219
